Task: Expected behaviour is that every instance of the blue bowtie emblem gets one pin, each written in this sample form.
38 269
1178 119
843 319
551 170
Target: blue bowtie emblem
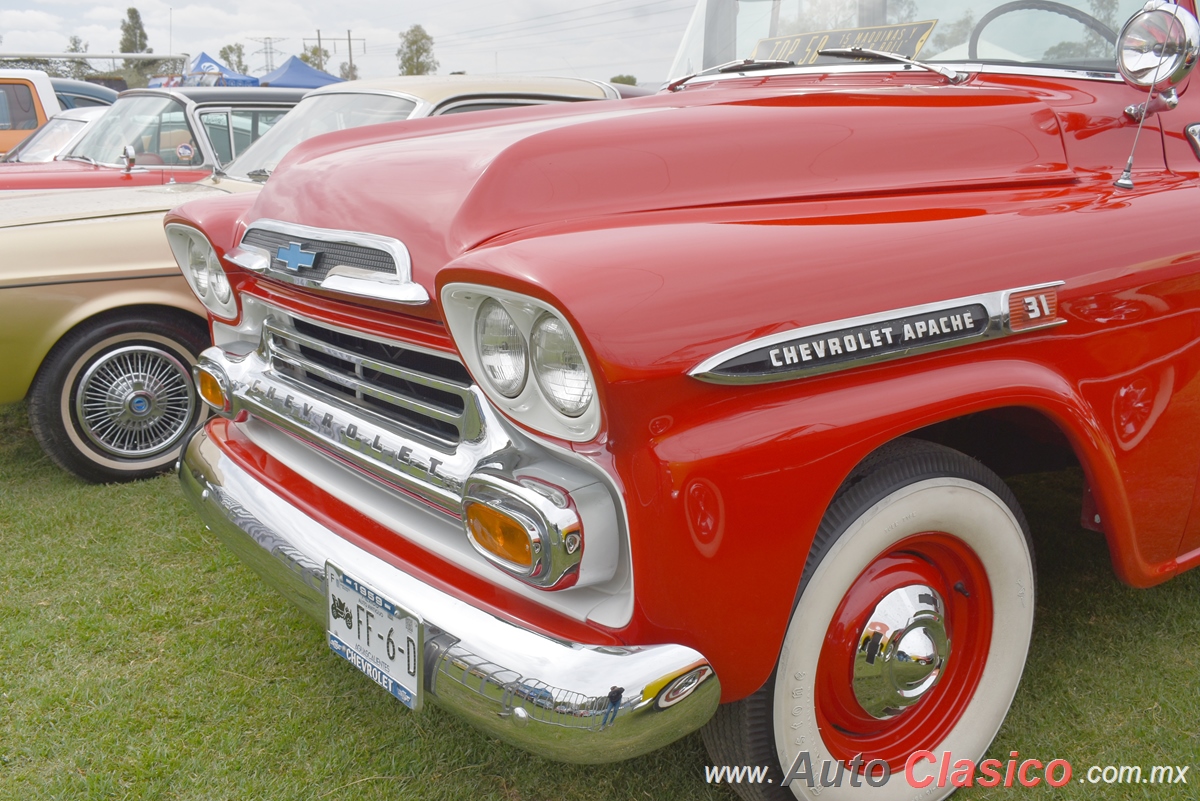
294 258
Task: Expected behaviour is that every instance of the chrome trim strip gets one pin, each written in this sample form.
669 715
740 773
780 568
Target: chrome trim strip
366 388
1193 134
401 288
995 303
610 92
252 260
371 364
960 66
338 89
467 422
547 695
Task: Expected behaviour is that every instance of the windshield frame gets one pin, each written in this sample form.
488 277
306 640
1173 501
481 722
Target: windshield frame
189 109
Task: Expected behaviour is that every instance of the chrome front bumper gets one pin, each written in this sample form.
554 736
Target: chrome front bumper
545 695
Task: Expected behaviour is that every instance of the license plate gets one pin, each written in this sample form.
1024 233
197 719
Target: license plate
377 636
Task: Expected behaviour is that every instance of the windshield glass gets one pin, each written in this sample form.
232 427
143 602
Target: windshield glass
1066 34
157 127
316 114
47 142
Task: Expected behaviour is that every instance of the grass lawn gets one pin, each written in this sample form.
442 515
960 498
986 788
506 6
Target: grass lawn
141 660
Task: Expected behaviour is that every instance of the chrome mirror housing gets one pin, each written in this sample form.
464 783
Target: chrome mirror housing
1157 48
129 158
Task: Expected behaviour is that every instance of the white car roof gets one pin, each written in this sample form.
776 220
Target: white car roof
41 82
83 113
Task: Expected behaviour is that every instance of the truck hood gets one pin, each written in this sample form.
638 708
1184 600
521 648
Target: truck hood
446 185
37 207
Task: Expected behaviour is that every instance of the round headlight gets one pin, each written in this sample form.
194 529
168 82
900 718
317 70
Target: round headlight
1158 46
220 284
198 264
501 349
559 366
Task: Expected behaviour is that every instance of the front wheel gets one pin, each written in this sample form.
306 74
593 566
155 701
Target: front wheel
910 634
115 398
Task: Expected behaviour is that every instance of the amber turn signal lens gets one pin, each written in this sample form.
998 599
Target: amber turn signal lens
499 534
211 391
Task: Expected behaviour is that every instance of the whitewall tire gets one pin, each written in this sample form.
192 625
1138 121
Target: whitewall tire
911 631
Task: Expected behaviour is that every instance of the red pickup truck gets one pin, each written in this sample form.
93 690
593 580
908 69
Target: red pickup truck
600 424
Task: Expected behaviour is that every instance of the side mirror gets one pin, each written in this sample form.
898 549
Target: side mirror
129 158
1156 49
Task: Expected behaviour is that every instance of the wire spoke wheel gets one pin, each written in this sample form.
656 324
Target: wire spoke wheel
114 399
135 401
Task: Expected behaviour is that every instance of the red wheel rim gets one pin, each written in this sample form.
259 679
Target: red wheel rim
950 567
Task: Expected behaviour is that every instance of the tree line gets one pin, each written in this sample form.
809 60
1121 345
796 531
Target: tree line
414 57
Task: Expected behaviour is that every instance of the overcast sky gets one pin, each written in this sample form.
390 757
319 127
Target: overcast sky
586 38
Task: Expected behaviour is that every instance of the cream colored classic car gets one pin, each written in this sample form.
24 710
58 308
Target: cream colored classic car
98 329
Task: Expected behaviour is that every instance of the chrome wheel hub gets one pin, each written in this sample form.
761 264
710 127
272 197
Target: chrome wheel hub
135 402
902 651
139 404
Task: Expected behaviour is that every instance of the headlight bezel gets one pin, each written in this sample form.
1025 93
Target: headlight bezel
208 282
1159 72
531 406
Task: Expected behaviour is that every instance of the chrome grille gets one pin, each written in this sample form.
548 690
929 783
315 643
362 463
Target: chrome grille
329 254
423 392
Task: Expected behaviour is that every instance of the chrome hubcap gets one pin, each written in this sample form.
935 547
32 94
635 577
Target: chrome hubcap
902 651
135 402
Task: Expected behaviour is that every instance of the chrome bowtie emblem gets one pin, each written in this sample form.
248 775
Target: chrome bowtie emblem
294 258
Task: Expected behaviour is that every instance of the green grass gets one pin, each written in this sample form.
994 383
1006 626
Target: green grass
140 660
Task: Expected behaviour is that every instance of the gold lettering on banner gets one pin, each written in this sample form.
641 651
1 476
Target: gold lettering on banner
907 39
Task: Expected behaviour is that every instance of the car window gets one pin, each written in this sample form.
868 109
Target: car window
47 142
459 108
79 101
17 110
156 127
216 126
248 124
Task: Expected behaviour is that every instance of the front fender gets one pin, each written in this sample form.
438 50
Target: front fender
735 499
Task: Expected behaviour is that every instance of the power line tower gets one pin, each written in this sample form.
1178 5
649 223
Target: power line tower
268 51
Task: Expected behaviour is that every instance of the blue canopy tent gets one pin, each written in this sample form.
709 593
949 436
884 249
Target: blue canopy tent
204 70
296 74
